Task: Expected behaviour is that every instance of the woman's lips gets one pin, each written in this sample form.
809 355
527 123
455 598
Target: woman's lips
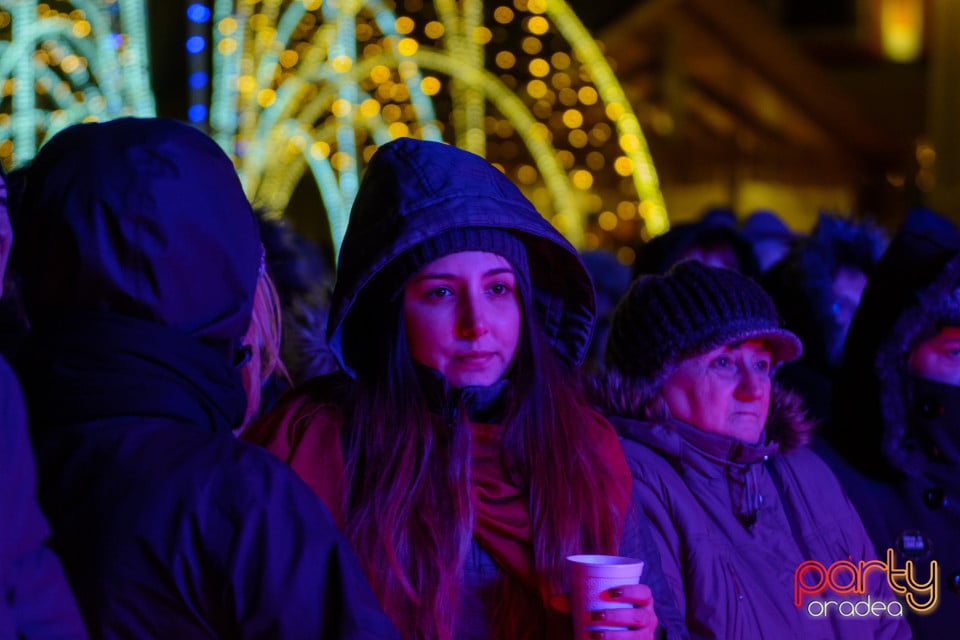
474 358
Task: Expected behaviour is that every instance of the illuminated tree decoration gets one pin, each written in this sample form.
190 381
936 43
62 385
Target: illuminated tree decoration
311 85
68 62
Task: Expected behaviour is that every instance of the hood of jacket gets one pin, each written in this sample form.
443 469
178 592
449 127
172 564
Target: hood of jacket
664 251
414 190
801 283
620 397
913 291
144 218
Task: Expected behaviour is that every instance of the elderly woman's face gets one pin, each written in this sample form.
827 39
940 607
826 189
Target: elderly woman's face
724 391
938 358
462 315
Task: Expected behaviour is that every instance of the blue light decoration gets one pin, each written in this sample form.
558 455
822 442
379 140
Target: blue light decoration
68 62
198 63
197 113
196 44
198 80
198 13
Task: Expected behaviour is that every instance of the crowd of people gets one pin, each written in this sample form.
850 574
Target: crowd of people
207 433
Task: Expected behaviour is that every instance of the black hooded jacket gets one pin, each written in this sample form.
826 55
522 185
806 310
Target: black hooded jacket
141 257
899 437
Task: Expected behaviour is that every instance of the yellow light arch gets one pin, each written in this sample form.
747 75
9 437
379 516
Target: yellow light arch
272 116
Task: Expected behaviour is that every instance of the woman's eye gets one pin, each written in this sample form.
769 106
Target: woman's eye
763 366
723 362
439 292
499 289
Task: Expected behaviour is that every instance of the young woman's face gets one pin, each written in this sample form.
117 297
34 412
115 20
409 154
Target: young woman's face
938 358
462 315
724 391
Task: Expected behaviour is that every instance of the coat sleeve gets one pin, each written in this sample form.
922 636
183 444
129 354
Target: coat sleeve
303 431
822 499
291 573
36 601
645 537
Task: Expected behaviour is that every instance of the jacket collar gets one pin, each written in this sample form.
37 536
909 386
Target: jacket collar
616 395
487 404
94 366
709 453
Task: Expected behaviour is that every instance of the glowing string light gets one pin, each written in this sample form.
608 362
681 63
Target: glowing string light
110 73
317 98
644 176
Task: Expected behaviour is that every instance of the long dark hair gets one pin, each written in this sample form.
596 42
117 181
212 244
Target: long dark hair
409 512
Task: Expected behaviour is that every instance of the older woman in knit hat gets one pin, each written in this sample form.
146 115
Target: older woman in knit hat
737 502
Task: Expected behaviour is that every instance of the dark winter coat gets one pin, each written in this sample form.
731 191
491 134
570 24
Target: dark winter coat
35 601
896 435
734 521
801 285
143 259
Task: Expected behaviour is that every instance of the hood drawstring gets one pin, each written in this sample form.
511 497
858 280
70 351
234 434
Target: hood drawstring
745 492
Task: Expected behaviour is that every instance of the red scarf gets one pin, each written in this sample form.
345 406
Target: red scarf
503 517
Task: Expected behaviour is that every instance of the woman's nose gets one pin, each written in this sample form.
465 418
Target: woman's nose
472 320
750 385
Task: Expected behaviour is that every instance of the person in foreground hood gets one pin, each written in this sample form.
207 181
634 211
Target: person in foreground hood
897 413
140 258
748 521
35 601
458 451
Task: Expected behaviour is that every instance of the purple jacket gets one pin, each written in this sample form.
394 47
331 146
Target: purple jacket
734 522
35 601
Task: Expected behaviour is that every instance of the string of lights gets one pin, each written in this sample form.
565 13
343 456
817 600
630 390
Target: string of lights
315 87
291 88
68 62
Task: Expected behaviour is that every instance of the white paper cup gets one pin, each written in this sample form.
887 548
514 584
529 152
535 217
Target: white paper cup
590 576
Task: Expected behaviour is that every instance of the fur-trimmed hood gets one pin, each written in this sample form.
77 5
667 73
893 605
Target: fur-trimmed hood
801 284
912 293
619 397
684 446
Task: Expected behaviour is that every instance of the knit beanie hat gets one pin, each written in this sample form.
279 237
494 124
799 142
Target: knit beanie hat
488 239
691 310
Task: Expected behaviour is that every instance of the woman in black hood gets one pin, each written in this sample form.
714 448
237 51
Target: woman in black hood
458 452
140 259
897 412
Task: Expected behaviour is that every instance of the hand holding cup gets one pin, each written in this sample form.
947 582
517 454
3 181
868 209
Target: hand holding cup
606 599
